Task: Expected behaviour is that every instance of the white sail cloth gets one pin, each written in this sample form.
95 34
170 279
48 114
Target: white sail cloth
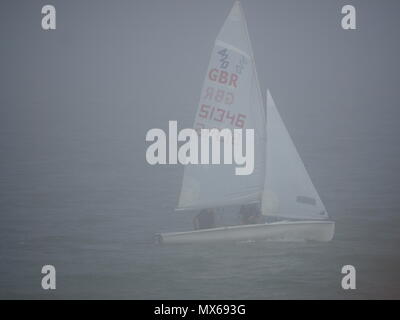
288 189
230 98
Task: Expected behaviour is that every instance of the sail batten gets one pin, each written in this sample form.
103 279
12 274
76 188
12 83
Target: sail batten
231 47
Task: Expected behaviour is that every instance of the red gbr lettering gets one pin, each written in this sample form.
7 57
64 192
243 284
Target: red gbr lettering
223 77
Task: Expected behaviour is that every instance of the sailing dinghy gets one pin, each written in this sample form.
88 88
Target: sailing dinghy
231 98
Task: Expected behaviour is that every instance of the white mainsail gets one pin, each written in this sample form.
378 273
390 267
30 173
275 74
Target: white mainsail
230 98
288 190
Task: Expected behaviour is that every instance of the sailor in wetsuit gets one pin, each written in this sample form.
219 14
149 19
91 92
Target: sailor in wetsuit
204 220
250 214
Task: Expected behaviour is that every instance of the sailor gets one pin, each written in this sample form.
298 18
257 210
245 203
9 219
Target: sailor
250 214
204 220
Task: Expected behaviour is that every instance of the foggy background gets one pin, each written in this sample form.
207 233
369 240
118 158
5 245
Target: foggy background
76 103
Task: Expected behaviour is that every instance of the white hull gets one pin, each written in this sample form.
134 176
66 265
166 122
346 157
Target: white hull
277 231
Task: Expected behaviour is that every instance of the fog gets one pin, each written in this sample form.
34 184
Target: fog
76 190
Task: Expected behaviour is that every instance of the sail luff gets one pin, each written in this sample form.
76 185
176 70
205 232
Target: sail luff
246 30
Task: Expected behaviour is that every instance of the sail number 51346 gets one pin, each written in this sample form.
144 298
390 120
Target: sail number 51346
221 115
